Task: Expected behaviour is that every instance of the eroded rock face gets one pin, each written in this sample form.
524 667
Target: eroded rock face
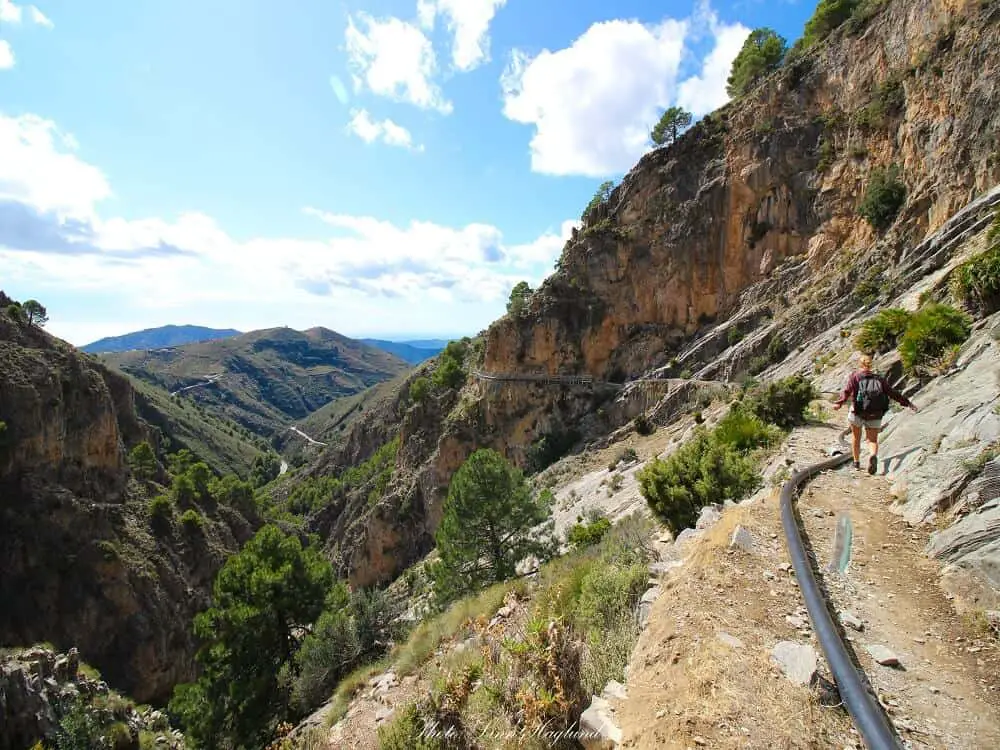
750 216
78 563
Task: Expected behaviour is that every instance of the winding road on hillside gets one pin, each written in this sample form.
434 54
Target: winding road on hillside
209 381
301 434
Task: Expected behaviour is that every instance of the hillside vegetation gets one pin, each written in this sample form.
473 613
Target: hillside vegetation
267 379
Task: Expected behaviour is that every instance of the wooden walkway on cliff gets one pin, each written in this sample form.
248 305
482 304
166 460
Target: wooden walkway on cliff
566 380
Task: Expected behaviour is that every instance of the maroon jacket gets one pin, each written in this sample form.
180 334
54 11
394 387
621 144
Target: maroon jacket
852 387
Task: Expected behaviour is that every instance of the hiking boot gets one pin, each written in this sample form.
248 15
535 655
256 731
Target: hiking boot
857 464
872 464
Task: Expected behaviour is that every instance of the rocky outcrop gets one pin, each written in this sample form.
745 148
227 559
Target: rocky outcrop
38 687
746 229
78 562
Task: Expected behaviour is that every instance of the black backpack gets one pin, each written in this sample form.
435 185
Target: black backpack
870 399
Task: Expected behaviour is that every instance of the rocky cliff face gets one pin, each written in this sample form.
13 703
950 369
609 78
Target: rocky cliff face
78 564
750 220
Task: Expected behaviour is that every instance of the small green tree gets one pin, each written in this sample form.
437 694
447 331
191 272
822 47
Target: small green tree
181 461
518 298
232 491
487 525
15 311
601 196
142 461
266 468
762 52
36 312
419 389
263 595
829 14
672 123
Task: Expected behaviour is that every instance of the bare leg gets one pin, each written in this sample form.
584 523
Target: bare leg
856 443
871 435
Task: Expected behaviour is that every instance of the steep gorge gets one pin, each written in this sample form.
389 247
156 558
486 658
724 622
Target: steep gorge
750 217
79 565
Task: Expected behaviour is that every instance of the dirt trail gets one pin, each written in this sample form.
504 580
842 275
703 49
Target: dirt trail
688 686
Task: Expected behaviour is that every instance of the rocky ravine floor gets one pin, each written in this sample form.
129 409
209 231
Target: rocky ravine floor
703 673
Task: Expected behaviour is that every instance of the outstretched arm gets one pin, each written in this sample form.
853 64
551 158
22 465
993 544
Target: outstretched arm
852 384
896 396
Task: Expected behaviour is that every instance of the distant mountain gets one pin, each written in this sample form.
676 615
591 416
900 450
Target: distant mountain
413 352
264 380
157 338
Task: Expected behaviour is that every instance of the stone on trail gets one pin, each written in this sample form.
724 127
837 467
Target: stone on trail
708 517
614 689
798 661
741 539
883 656
597 726
730 640
851 620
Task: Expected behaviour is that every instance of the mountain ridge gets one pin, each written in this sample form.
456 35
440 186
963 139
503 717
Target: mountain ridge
159 337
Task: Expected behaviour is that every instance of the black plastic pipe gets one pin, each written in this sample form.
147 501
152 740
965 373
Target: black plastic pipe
867 714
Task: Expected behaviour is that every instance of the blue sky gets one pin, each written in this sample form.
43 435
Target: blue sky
385 168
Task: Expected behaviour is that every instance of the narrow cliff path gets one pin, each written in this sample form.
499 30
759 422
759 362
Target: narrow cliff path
702 673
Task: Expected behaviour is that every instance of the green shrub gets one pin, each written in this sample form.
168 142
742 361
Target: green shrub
450 370
884 196
192 520
781 402
932 331
161 513
419 389
888 102
744 430
644 426
588 534
827 155
757 365
701 472
777 349
607 591
408 730
328 653
976 283
547 449
734 335
882 331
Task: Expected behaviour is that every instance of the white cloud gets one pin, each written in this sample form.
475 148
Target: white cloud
394 59
369 130
469 22
369 275
593 103
35 171
12 13
9 13
6 56
706 92
40 18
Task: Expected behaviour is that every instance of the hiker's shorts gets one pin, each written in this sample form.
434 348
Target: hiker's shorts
870 424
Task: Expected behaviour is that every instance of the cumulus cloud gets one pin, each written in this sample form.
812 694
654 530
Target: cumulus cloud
9 12
364 127
469 23
706 91
6 56
395 59
39 18
592 103
53 237
12 13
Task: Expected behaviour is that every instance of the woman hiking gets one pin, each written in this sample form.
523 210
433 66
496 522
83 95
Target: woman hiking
869 393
